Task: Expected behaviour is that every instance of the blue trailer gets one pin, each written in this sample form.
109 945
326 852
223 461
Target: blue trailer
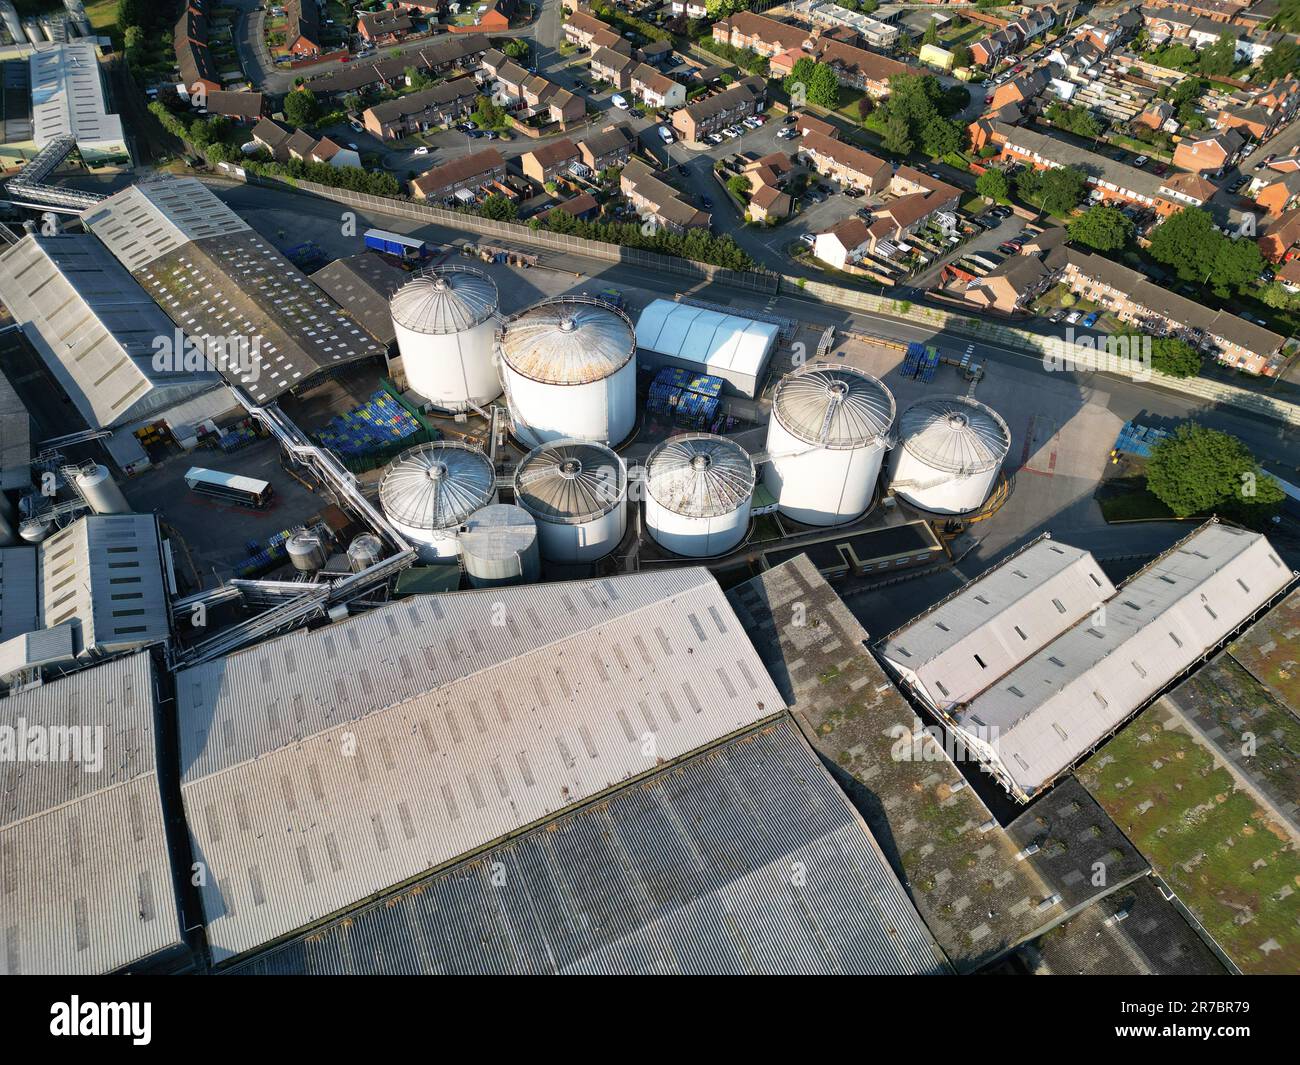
411 249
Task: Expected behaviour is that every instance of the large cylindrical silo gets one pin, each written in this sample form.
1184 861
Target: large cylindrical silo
576 491
828 434
429 491
950 451
698 492
98 488
445 321
569 368
498 545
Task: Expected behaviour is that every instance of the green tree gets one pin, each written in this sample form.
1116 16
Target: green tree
1175 357
1220 57
931 35
1282 60
1202 471
417 78
993 185
897 135
961 57
739 188
824 87
301 107
1102 227
499 208
1237 263
939 136
516 49
800 75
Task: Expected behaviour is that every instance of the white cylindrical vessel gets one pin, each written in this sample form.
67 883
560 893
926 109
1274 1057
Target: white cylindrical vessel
950 452
498 545
34 530
429 491
445 321
698 492
569 368
364 552
99 489
305 551
576 491
828 434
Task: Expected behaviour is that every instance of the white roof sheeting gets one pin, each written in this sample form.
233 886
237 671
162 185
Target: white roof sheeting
326 766
719 342
954 651
1060 703
68 95
95 328
88 881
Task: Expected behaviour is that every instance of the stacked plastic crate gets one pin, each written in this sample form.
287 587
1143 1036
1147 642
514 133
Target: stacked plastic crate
265 555
378 423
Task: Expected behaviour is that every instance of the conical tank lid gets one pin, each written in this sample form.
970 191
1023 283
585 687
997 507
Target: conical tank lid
700 475
446 300
570 481
837 407
955 434
570 340
435 486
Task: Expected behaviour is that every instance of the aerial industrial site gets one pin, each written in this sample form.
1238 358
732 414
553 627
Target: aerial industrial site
636 487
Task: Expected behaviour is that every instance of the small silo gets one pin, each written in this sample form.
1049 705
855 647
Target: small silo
698 493
445 321
828 434
364 552
569 368
98 488
576 491
950 452
305 551
498 545
429 491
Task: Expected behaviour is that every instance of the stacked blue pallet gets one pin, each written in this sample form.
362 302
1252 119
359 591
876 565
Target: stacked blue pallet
381 421
1138 440
690 398
929 365
265 556
912 360
237 438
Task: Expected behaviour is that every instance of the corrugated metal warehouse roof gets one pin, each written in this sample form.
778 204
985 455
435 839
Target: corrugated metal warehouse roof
68 95
326 766
1059 703
15 439
696 870
958 648
88 882
94 327
20 597
105 573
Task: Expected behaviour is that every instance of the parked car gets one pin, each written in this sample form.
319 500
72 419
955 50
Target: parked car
793 116
1090 320
682 169
714 138
421 150
706 203
1073 318
1007 248
787 133
1236 185
854 193
1141 161
807 238
1159 169
814 196
619 102
665 134
1056 316
864 213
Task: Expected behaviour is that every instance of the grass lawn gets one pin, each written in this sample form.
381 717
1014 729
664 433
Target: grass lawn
1232 866
1131 504
103 16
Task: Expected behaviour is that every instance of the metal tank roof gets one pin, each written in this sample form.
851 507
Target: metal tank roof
700 475
955 434
446 300
837 407
501 530
570 481
435 486
569 340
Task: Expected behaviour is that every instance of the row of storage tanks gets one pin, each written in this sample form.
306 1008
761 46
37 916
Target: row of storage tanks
568 368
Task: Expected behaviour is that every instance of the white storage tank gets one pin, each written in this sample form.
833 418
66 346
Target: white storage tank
364 552
98 488
429 491
306 551
498 545
826 439
698 493
569 368
445 321
950 452
34 530
576 490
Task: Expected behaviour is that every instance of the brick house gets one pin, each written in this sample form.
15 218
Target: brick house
655 88
469 172
844 163
384 27
612 67
696 121
656 199
302 34
1212 151
610 147
549 161
763 35
190 38
435 106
